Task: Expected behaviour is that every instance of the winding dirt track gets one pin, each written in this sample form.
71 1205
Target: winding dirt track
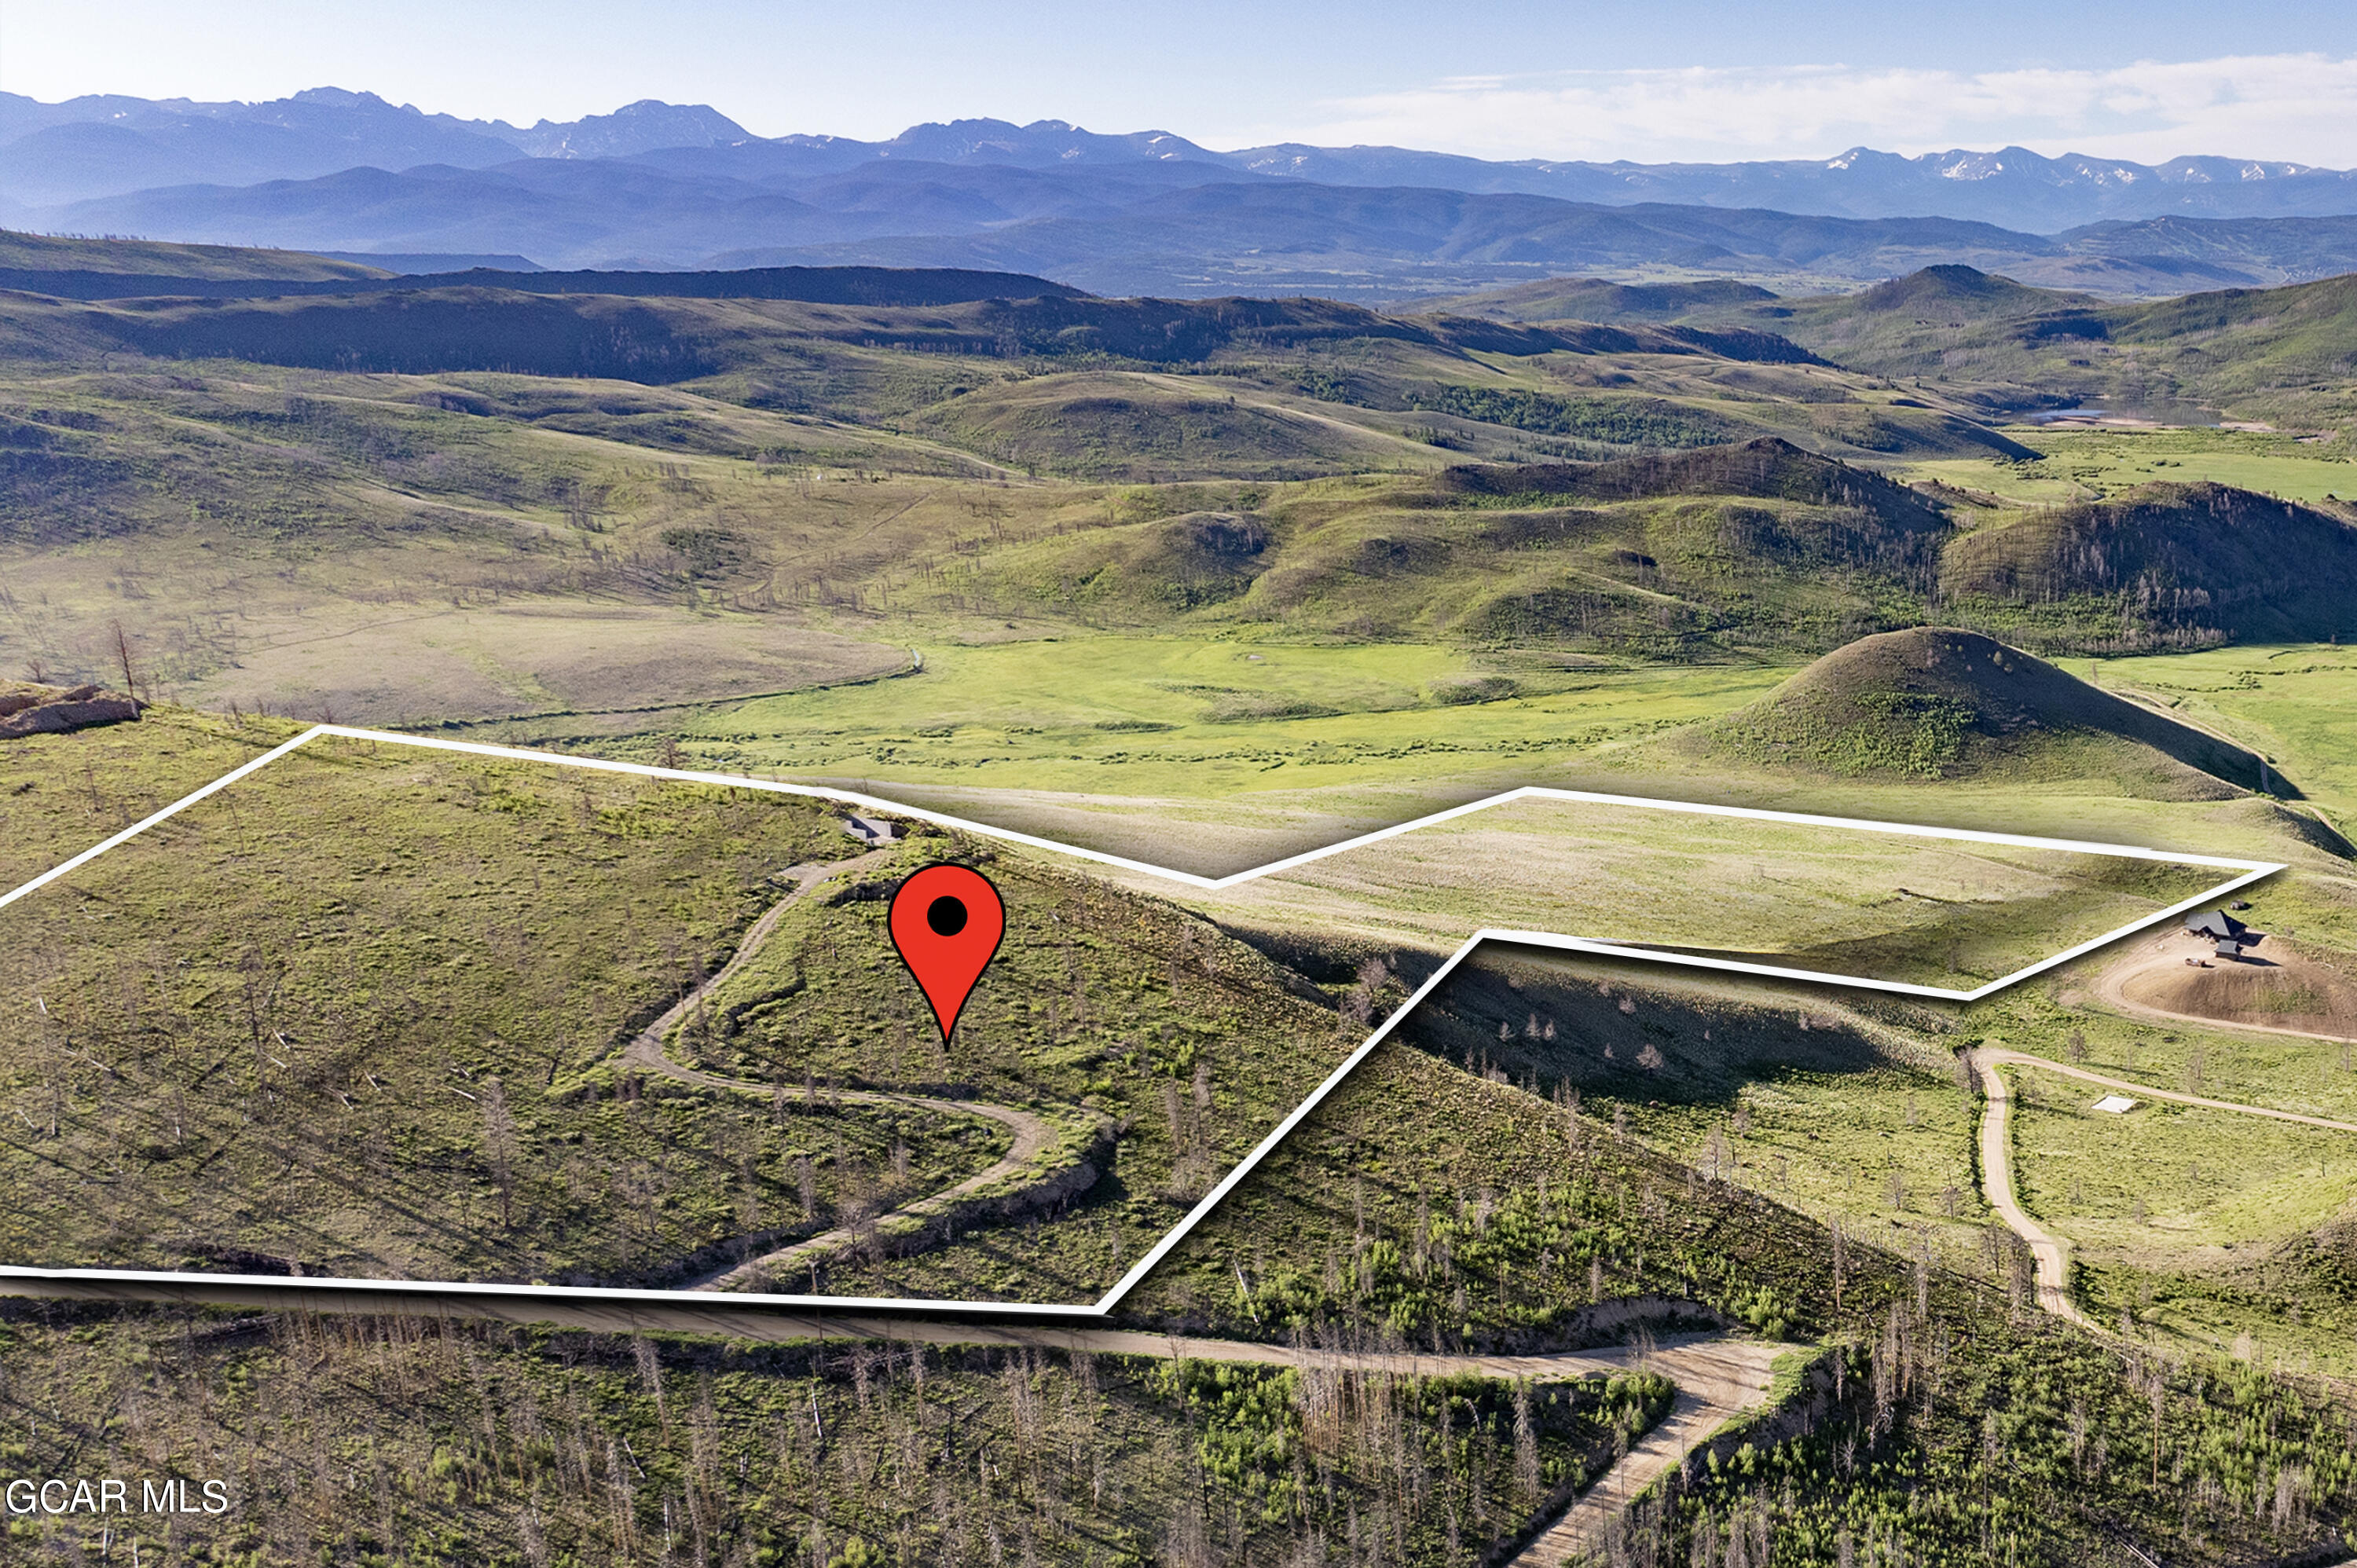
1719 1380
2052 1252
1033 1135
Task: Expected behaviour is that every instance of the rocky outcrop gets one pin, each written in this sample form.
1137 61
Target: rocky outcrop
29 709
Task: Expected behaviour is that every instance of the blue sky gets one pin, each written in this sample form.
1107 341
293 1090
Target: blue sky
1667 79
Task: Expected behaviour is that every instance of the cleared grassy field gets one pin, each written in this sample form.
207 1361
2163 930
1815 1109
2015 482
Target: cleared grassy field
1211 717
1886 905
1884 1152
2082 464
2173 1184
2296 704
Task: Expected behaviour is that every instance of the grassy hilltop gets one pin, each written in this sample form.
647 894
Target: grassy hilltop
1938 704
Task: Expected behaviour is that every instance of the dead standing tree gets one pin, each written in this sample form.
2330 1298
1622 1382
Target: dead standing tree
123 656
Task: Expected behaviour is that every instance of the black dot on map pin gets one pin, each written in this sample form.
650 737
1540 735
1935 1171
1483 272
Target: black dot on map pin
946 923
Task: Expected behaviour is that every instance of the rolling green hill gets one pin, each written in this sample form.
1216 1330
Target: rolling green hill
2176 565
2280 354
1761 545
1114 426
843 482
1939 703
1766 469
2252 345
2245 353
466 324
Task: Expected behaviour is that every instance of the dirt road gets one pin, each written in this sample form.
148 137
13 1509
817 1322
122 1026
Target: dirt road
1034 1135
2000 1057
2052 1252
1717 1379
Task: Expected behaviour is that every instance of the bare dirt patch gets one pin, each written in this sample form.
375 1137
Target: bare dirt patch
2285 988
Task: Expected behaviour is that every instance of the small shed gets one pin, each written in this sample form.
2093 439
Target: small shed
875 832
2231 938
2115 1104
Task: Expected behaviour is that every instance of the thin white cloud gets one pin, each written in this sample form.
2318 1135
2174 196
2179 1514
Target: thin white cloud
2296 107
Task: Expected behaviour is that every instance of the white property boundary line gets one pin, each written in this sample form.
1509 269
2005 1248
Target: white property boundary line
2251 870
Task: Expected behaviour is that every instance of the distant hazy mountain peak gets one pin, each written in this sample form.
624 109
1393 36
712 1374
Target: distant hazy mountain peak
1042 143
640 127
343 98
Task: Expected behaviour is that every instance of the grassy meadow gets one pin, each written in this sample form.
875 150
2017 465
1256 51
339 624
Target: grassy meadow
2296 703
1218 716
59 794
2082 463
2189 1226
354 1015
1925 911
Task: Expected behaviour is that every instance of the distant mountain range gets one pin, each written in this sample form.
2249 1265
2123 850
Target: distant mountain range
662 185
104 145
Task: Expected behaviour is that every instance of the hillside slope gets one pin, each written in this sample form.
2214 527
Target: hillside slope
1598 299
2282 353
519 925
1940 702
1754 546
2175 566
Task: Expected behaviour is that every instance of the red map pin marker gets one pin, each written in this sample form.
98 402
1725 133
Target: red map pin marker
947 921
